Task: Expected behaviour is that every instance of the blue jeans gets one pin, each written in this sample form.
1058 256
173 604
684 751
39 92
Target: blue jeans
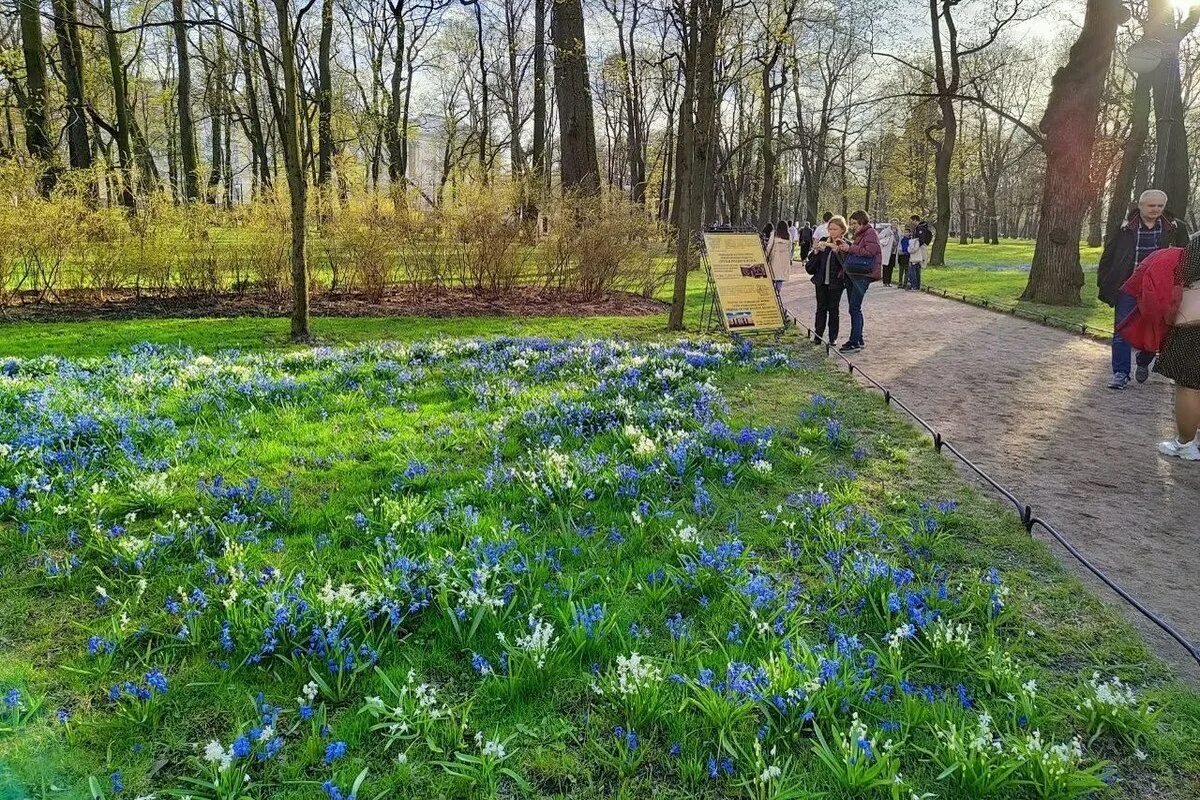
1122 351
856 290
914 275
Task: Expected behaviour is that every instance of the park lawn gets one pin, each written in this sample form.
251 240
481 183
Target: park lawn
369 467
998 274
1010 254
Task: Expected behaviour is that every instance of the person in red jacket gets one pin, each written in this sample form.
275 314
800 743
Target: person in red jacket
865 243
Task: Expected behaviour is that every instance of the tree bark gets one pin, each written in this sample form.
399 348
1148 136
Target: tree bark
1131 155
325 112
580 169
66 32
122 134
1069 127
187 128
37 132
1171 162
289 135
537 155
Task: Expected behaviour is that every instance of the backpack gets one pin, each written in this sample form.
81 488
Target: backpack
924 234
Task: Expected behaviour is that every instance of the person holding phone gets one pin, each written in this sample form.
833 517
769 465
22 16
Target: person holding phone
863 266
825 264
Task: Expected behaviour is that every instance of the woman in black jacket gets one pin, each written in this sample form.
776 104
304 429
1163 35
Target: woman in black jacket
825 265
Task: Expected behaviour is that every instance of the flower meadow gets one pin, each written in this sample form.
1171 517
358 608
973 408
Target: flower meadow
501 568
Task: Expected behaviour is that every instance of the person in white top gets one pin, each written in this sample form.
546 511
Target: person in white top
822 230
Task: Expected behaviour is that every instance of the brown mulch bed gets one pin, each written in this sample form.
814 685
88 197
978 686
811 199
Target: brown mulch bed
81 305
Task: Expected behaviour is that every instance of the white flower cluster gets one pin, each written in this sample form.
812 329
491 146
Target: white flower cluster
344 595
634 674
214 753
490 748
944 635
761 466
643 445
1109 696
686 534
538 642
1056 758
482 594
897 637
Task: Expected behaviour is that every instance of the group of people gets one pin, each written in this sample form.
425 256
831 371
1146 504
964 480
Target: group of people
845 257
1155 310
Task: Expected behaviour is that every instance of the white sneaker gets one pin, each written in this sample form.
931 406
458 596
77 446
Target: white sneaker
1176 449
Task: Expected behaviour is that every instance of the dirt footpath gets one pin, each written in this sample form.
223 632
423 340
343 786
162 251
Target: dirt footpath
1030 405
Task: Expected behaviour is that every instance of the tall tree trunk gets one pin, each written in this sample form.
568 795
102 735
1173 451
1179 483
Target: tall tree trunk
1172 166
66 32
37 131
1131 156
187 128
1069 126
325 112
770 180
395 144
122 135
289 135
684 152
254 128
537 155
580 169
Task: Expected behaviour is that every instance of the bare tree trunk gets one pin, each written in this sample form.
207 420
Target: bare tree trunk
1069 126
1172 166
116 68
325 112
258 141
66 32
1131 155
187 128
289 135
580 169
37 132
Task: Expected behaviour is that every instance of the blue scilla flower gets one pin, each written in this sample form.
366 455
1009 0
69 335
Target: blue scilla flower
62 716
117 782
12 698
334 751
332 790
675 750
480 664
156 681
240 747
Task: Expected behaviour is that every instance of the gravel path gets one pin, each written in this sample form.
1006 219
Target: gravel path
1030 405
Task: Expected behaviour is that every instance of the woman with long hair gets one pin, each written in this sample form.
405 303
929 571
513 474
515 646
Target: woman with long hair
779 257
825 264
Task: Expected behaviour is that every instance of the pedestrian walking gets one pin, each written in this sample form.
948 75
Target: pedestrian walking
779 257
1148 229
1180 359
918 253
902 260
887 246
863 266
806 241
825 264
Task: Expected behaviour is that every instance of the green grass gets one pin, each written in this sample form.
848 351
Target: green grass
998 274
343 438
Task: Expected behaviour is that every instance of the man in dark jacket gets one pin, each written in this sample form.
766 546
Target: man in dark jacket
1148 229
806 240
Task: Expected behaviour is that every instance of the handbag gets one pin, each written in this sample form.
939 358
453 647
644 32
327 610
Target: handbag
1189 307
859 266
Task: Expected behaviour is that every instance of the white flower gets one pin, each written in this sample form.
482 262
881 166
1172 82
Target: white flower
267 734
539 641
102 592
310 691
214 753
761 466
1139 754
686 534
634 674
